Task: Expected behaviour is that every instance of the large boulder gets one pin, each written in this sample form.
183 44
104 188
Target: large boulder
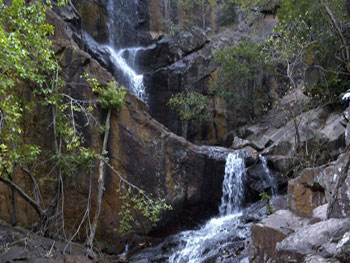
339 206
267 233
285 237
305 193
318 239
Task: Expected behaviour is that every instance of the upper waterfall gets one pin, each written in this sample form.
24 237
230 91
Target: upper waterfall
122 17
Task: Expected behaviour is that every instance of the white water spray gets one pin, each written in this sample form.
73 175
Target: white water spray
136 80
202 245
232 187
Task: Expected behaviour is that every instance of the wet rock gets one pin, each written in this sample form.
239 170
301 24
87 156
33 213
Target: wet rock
318 239
169 50
258 181
343 249
305 193
267 233
339 206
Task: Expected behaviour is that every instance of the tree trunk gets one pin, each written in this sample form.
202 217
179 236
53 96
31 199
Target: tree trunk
101 188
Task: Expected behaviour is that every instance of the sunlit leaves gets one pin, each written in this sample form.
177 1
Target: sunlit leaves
190 105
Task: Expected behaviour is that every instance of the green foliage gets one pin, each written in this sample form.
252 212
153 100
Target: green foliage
113 96
240 73
269 208
190 105
26 59
305 38
136 200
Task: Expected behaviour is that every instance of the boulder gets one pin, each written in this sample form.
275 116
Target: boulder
339 206
319 214
343 249
305 193
317 239
318 259
267 233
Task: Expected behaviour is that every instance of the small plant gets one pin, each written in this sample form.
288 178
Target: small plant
269 208
136 200
111 97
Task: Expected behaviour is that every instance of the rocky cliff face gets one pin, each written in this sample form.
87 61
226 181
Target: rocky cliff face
316 226
141 149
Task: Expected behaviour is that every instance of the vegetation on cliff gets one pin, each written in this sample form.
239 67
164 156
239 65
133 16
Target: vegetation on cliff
309 48
42 126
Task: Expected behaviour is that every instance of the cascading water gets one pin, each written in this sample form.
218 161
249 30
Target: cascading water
201 245
232 187
135 81
270 179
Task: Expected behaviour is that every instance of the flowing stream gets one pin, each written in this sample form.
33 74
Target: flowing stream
205 244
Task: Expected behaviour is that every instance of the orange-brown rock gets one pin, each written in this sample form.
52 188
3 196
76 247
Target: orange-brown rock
305 193
142 150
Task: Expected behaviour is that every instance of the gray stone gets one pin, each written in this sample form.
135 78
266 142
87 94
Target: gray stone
15 254
343 249
318 259
320 238
319 214
267 233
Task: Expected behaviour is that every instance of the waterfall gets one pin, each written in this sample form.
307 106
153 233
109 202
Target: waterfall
135 81
232 187
202 245
269 178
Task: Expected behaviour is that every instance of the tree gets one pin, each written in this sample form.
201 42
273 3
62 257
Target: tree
31 85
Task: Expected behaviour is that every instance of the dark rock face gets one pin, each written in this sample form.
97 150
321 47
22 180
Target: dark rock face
258 181
129 23
142 150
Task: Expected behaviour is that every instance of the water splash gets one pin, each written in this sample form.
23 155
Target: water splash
202 245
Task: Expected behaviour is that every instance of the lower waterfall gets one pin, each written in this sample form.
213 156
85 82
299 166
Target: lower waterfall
202 245
226 237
